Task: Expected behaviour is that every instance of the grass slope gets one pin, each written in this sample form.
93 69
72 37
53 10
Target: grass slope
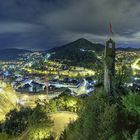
7 101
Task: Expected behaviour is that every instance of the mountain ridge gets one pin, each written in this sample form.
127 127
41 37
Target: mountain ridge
80 45
11 53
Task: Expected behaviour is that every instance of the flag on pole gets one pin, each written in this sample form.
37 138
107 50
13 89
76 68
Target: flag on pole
110 28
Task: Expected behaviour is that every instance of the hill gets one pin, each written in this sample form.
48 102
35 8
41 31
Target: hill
11 53
79 52
80 44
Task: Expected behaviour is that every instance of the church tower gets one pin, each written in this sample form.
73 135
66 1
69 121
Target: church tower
109 66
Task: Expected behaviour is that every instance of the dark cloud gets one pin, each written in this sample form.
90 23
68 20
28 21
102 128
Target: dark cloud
49 23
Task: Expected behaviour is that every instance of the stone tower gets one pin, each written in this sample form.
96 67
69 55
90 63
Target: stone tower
109 66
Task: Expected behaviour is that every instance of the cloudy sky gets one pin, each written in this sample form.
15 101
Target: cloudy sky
43 24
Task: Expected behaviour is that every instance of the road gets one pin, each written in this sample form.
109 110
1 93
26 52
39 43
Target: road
135 66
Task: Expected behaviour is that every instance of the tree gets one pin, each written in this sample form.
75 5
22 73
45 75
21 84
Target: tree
68 103
34 121
16 121
128 114
131 102
4 136
99 71
97 120
40 124
124 74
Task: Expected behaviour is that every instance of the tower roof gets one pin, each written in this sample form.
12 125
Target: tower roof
110 41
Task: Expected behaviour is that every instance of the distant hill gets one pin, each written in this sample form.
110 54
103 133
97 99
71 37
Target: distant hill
11 54
80 52
128 49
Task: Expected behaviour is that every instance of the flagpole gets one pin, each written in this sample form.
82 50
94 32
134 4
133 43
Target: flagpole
111 31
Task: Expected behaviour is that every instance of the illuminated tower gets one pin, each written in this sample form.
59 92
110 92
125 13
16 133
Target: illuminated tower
109 65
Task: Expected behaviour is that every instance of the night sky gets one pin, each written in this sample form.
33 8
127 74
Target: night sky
43 24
